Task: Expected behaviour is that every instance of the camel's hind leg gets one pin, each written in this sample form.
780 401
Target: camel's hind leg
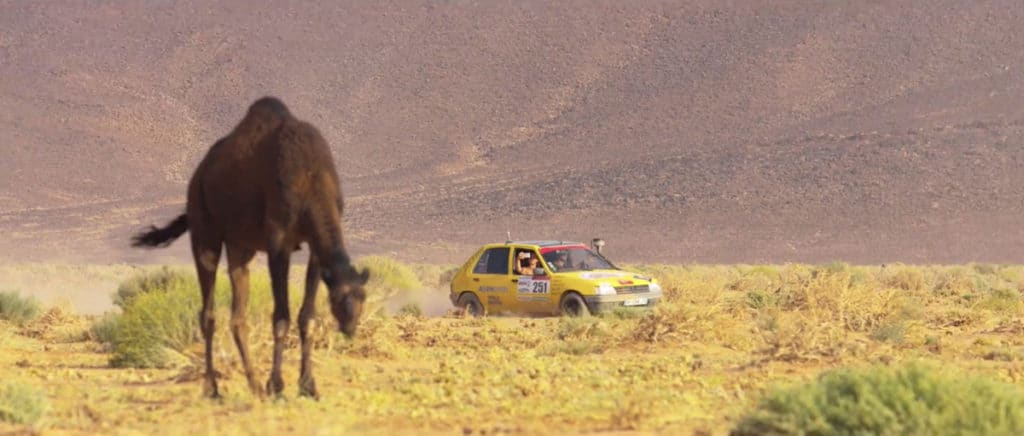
307 385
238 270
206 253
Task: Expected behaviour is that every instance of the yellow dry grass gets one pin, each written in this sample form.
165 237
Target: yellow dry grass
724 335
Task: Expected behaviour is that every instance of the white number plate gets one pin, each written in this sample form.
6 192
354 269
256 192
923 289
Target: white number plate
635 302
530 285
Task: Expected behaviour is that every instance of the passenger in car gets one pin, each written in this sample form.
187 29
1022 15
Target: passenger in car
531 266
522 262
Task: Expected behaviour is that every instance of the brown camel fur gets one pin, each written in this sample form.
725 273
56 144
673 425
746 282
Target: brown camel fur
269 185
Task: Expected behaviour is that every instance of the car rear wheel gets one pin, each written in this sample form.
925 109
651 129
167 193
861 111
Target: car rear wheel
469 303
572 304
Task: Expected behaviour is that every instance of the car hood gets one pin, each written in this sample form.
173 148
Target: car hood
610 276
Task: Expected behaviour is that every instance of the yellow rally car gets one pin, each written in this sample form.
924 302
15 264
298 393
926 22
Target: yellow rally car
566 277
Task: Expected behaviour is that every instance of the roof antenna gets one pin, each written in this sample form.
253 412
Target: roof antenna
508 236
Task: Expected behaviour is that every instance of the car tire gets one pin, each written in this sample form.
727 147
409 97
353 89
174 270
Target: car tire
572 304
469 303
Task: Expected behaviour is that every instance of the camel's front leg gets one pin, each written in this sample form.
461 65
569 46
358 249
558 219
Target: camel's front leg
307 385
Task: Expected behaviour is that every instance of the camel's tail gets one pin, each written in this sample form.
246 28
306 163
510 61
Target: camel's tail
161 237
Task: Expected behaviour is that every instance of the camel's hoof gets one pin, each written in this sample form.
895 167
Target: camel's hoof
257 390
307 388
275 385
210 389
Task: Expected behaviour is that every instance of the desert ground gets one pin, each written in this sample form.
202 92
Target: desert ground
830 192
724 339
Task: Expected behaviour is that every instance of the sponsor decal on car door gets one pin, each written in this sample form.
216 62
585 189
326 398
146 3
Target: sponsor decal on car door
533 292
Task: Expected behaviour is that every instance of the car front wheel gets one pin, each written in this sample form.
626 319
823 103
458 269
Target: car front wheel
469 303
573 305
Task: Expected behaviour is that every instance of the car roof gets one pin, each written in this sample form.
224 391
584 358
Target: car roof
544 243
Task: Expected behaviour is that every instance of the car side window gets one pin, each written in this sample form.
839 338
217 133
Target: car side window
493 261
481 263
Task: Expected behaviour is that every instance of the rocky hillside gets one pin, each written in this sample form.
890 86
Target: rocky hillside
677 131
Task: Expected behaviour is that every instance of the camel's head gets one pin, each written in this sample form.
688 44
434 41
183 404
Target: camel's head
345 288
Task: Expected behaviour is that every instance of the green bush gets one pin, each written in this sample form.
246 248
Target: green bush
159 320
390 280
915 399
104 327
17 309
21 404
157 324
162 279
892 332
389 274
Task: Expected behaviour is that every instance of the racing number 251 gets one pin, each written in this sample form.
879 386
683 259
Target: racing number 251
539 287
529 286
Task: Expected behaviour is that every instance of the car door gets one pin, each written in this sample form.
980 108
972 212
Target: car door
492 281
533 292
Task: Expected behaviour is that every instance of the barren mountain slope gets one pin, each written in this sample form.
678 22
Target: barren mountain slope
677 131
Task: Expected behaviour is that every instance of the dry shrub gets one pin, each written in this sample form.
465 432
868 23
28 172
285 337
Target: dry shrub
1013 276
579 336
659 325
955 281
903 277
789 336
409 327
834 294
631 416
1009 326
378 338
710 323
953 317
1000 300
58 324
705 307
684 282
862 309
755 282
793 282
574 328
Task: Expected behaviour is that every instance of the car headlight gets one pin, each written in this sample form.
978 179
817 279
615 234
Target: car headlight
654 287
605 289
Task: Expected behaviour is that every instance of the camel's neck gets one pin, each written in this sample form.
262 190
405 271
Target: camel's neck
336 264
329 244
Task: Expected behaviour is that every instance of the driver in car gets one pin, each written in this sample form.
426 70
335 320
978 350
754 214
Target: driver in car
559 261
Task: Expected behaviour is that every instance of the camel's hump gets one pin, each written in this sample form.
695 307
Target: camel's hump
271 105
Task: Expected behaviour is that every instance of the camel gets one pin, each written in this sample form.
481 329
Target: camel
269 185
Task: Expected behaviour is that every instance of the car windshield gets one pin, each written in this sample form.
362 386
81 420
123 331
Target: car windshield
575 259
